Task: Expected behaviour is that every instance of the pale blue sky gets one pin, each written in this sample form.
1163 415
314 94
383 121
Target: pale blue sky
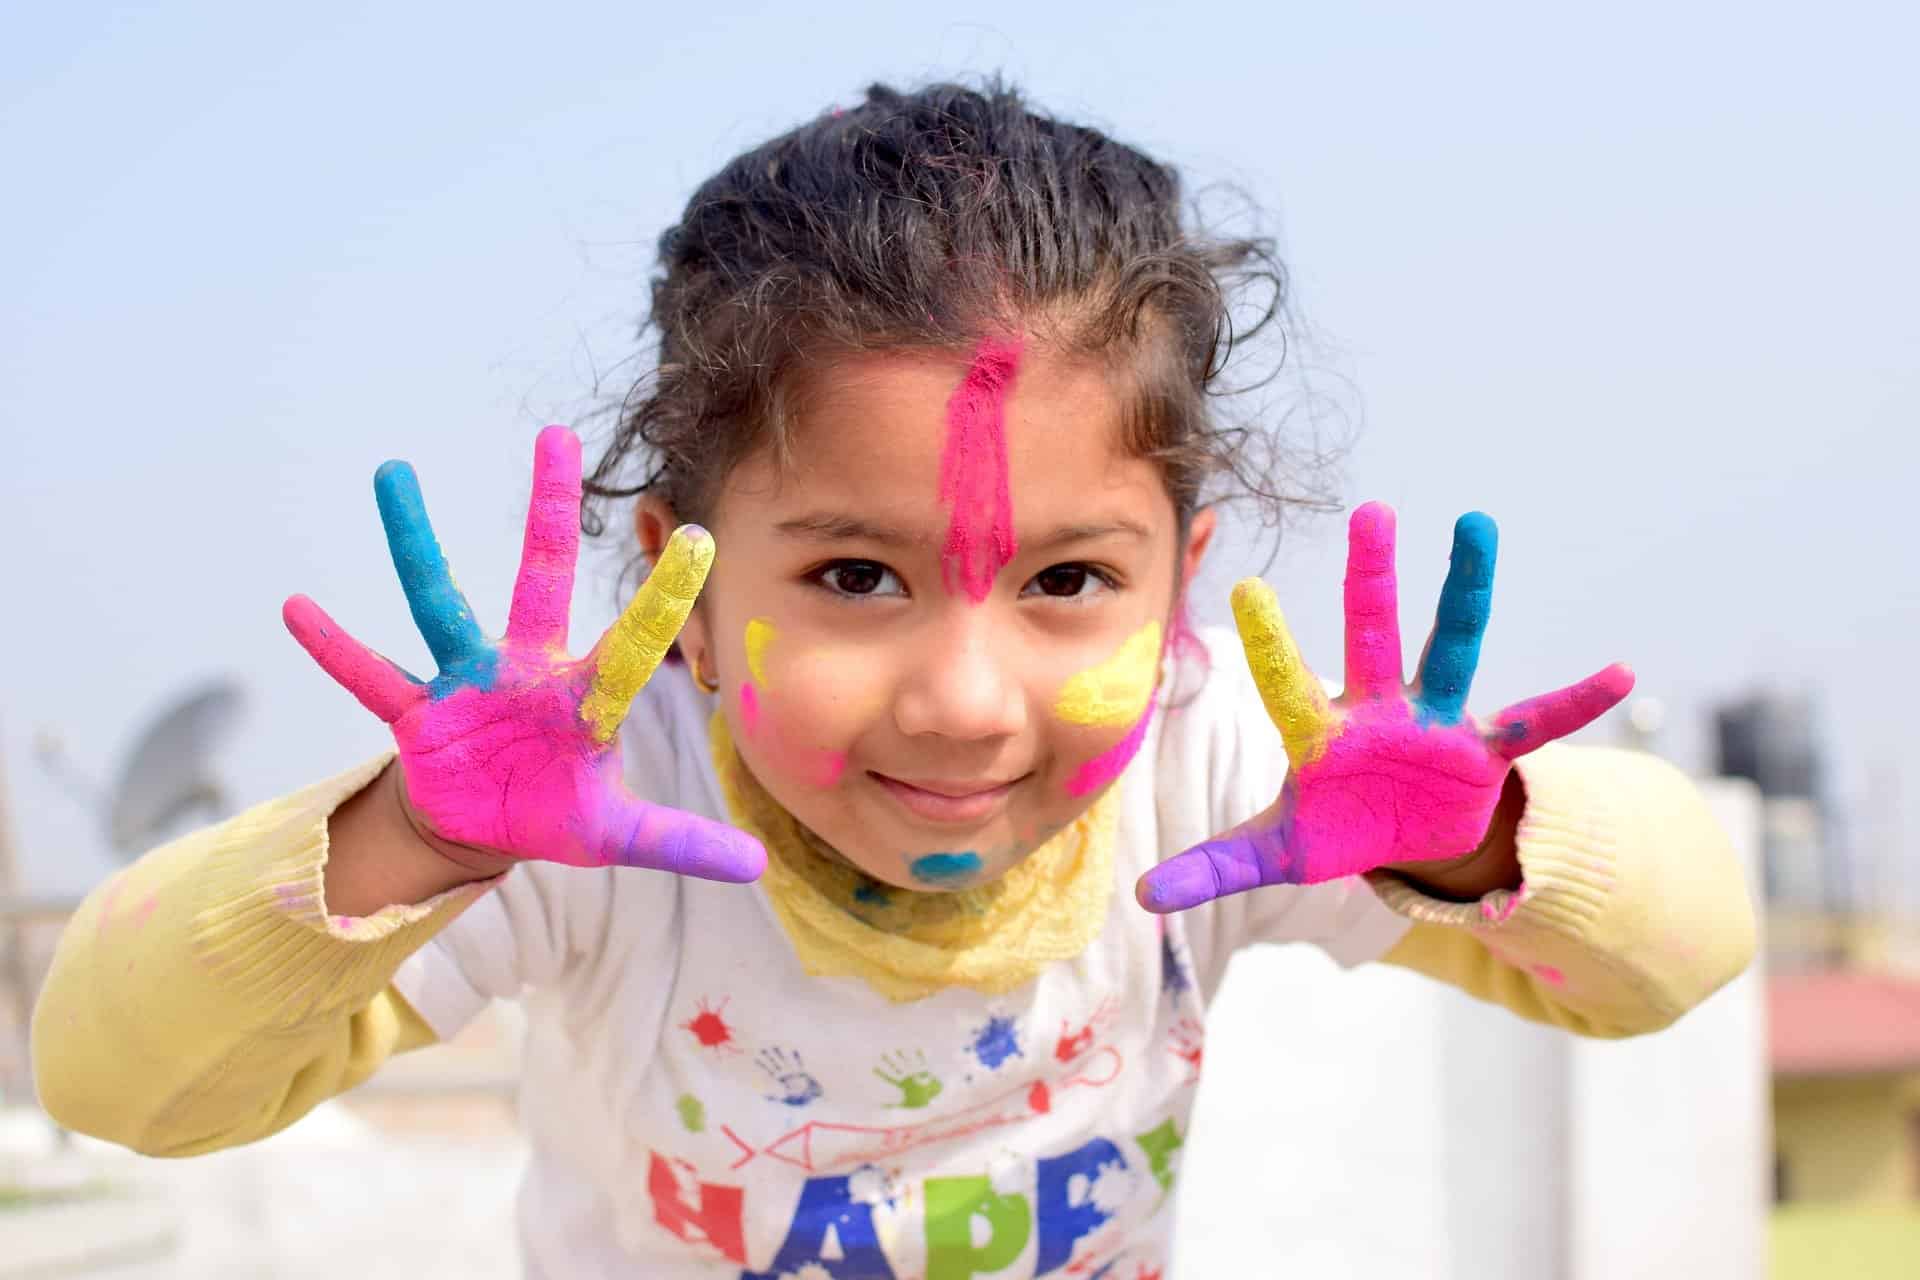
1641 284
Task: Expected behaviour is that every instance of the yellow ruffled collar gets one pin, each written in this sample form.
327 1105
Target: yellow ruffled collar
907 945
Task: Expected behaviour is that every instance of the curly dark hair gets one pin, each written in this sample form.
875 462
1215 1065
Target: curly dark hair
929 220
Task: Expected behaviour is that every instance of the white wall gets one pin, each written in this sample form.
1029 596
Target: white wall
1375 1124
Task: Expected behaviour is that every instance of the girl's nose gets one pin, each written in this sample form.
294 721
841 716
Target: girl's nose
962 685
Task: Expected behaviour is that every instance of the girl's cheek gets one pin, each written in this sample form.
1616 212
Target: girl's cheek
1116 690
793 706
1110 705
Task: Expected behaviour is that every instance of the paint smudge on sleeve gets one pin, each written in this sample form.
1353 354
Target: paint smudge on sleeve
973 473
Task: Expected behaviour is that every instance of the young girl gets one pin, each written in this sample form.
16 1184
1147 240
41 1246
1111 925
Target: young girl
825 967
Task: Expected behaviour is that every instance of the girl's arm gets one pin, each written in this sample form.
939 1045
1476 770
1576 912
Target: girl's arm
1598 892
204 997
1633 907
228 982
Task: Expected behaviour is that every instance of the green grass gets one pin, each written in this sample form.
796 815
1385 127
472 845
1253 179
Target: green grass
1859 1242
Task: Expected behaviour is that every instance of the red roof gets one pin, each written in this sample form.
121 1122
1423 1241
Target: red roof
1842 1023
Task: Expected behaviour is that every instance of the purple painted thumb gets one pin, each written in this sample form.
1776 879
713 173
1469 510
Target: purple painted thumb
642 834
1233 863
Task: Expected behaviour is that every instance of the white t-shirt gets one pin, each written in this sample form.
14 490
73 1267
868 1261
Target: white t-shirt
698 1106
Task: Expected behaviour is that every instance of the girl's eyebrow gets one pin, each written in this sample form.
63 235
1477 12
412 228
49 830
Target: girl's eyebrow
1067 533
831 527
834 527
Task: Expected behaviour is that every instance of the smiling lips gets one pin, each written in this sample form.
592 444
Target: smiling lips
940 801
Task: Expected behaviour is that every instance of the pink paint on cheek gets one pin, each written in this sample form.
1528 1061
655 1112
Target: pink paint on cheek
749 708
145 910
828 766
1549 975
973 473
1111 763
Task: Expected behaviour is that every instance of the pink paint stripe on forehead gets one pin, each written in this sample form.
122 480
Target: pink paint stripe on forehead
973 473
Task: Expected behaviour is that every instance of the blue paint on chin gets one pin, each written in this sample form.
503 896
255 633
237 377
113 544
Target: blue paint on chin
945 868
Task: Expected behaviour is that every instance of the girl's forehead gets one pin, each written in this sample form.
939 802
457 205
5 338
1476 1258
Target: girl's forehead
877 432
901 408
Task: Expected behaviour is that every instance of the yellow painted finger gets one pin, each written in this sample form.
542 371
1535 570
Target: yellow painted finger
627 655
1116 691
1294 699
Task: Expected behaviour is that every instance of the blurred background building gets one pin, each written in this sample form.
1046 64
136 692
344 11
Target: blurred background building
1843 1002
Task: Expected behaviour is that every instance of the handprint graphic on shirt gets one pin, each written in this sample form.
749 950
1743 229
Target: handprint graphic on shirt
792 1083
907 1072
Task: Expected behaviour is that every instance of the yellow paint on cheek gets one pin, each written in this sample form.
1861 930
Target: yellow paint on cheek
1116 691
759 636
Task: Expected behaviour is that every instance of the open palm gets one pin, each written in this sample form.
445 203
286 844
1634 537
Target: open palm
514 748
1387 773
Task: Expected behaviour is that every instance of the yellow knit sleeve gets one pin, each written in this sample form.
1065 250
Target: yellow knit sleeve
1633 908
203 997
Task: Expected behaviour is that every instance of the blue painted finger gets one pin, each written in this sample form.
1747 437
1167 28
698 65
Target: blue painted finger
1466 599
443 615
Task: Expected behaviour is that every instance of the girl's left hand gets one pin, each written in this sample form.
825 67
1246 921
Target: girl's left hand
1388 773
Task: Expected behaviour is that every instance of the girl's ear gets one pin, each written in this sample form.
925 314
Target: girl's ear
653 523
1199 534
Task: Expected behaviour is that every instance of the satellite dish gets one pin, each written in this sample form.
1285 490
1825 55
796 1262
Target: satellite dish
166 775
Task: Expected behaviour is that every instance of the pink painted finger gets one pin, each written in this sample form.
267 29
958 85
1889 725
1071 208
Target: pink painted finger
380 686
1373 604
543 592
1232 863
1530 725
643 834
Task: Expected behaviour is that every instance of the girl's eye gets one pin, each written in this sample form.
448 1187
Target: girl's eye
857 578
1070 581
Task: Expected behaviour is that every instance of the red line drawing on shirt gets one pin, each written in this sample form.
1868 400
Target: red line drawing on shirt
1074 1043
1187 1042
824 1145
709 1028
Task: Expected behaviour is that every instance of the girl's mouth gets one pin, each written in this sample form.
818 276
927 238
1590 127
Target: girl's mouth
948 801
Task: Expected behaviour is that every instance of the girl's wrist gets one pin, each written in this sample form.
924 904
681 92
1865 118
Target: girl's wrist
1492 864
472 862
380 853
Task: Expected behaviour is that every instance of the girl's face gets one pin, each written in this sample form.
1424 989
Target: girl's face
931 707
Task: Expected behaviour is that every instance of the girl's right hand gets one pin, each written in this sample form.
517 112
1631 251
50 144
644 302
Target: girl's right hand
512 752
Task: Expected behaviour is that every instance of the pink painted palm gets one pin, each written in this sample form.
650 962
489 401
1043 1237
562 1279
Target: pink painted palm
513 749
1388 773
